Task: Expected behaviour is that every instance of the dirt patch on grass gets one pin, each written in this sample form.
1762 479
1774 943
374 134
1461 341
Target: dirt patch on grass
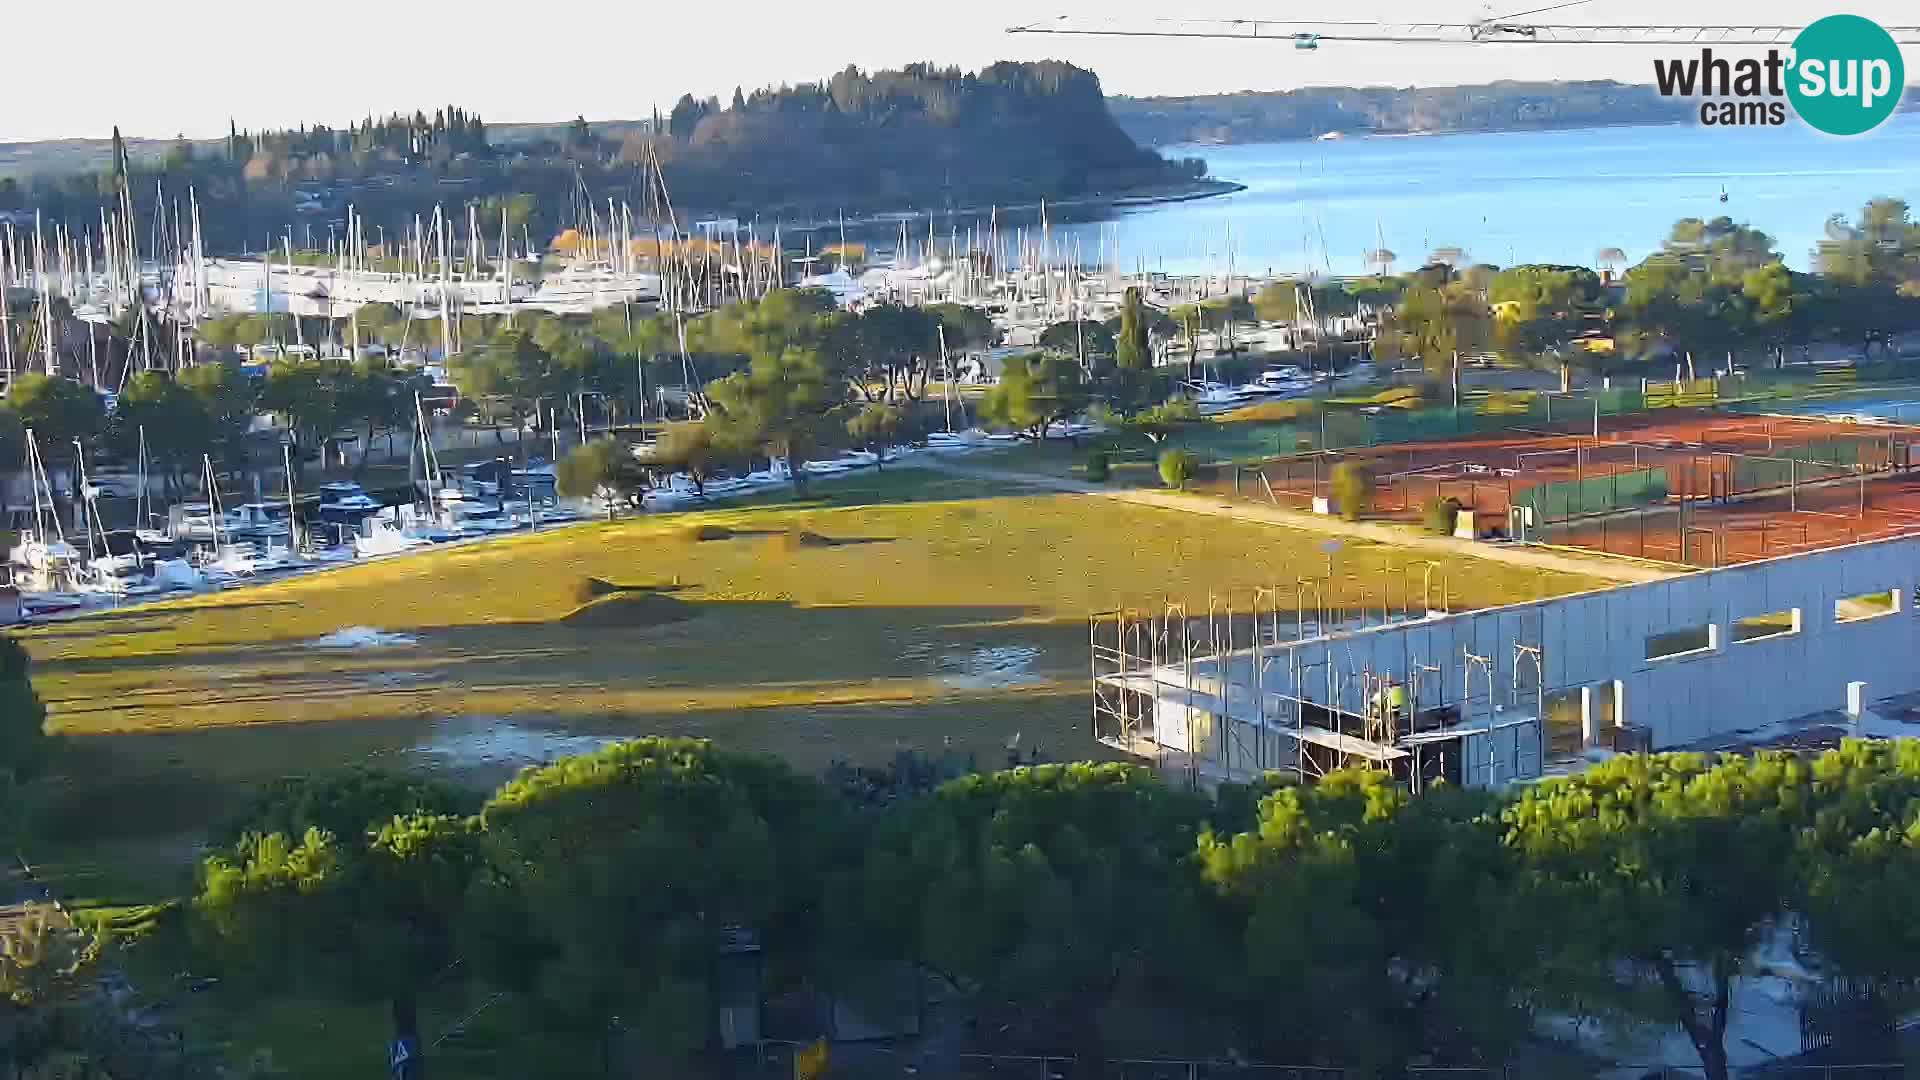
694 534
630 610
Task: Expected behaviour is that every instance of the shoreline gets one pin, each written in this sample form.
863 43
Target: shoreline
1200 189
1346 136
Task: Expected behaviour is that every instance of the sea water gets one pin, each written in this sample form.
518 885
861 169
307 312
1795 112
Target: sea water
1505 198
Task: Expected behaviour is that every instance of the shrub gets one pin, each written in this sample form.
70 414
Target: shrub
1439 515
1352 489
1177 467
1098 467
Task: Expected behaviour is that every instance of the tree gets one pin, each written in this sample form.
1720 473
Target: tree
1079 340
1177 467
307 395
894 342
1340 904
779 405
13 435
1872 268
1860 863
57 410
1722 247
1881 248
508 375
1678 869
376 393
604 470
1044 890
343 803
1433 323
876 426
1278 302
1541 309
967 328
1352 486
46 973
1159 423
639 860
1665 303
689 447
176 426
379 322
1776 307
24 742
1034 391
226 397
1132 348
372 918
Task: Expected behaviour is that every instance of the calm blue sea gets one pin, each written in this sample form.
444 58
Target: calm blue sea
1551 196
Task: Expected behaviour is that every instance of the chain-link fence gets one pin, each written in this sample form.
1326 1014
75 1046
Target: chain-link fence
1560 500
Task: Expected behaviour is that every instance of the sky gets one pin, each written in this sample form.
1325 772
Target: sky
189 68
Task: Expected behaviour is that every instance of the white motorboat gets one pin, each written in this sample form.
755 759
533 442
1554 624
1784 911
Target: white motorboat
1213 397
380 537
44 556
258 520
49 603
669 498
1280 380
177 575
121 565
343 497
231 561
776 472
480 519
193 522
114 576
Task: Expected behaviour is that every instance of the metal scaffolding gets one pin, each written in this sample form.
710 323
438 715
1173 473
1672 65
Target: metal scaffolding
1243 692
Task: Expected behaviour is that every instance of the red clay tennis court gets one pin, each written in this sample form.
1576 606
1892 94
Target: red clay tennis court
1709 533
1645 461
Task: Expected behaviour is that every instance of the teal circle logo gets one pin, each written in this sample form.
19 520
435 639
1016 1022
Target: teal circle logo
1846 75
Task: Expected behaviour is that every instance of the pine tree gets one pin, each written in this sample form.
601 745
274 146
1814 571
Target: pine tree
119 156
1131 349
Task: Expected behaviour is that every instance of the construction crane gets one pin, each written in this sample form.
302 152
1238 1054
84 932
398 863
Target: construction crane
1514 29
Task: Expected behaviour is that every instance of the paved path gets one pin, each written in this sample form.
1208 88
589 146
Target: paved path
1611 568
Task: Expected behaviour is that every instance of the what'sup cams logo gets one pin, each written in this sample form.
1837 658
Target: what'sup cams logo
1843 76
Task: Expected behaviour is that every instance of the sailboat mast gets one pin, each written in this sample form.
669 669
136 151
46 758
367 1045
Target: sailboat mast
142 498
6 281
46 299
293 511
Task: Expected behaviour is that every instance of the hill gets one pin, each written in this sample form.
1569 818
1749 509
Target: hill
919 138
1307 113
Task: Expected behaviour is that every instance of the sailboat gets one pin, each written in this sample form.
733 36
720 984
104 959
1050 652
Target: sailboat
143 515
123 574
43 548
1723 193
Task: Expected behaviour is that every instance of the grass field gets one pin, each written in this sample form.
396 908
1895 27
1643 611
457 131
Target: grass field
922 609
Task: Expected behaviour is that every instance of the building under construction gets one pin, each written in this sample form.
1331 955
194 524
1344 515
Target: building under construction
1487 698
1237 694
